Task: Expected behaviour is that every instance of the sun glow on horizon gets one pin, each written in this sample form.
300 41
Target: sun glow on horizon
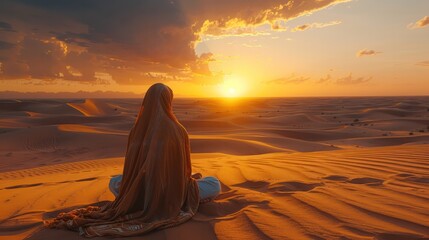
233 86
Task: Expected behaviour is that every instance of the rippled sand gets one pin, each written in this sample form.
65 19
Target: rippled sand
291 168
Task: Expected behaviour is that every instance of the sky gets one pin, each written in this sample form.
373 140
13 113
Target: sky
223 48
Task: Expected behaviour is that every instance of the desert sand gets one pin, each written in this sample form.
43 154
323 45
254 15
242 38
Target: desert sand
290 168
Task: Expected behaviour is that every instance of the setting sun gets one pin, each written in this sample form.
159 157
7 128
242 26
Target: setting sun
233 86
231 92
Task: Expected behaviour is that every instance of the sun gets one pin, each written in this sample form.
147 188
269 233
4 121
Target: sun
231 92
233 86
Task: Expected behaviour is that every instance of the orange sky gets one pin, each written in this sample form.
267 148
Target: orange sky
227 49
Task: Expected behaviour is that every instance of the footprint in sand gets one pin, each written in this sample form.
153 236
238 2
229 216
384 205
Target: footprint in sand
408 236
402 175
86 179
280 187
291 187
412 178
418 179
336 178
367 181
24 186
254 185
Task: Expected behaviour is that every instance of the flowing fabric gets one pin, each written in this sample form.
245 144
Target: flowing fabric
157 190
208 187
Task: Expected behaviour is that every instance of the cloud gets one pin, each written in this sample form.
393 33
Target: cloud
47 59
278 26
6 45
292 79
420 23
6 27
128 40
325 79
231 28
349 80
314 25
301 28
423 63
346 80
366 52
224 16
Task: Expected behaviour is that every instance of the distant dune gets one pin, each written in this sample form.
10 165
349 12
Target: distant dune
94 107
75 95
292 168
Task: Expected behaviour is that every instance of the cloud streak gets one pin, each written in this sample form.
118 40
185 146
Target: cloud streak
6 27
366 52
324 79
423 22
423 64
292 79
305 27
349 80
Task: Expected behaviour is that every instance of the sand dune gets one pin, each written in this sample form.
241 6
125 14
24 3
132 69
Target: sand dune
353 194
94 107
43 145
308 168
36 106
202 144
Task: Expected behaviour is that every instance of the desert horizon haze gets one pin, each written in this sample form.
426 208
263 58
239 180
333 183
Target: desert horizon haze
236 119
216 49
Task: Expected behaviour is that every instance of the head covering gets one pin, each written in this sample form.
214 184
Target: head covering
157 190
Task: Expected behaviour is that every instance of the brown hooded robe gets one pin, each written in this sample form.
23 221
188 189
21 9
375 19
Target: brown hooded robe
157 190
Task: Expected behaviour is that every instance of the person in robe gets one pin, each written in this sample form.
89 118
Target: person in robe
157 189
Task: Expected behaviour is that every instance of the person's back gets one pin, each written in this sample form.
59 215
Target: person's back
156 189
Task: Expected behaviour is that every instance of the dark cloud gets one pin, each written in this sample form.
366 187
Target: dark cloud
4 26
47 59
121 38
133 41
5 45
81 39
